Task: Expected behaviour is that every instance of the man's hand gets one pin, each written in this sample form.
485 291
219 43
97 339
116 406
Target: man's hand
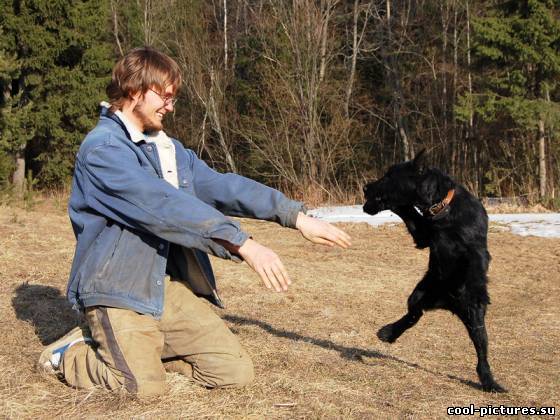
267 265
321 232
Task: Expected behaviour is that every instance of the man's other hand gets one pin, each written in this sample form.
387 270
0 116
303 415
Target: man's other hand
267 265
321 232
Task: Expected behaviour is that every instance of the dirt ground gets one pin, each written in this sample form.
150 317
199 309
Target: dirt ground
314 347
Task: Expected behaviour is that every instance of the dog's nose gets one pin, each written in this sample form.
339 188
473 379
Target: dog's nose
365 187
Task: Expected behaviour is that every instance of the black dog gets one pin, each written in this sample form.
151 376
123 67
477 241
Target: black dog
445 217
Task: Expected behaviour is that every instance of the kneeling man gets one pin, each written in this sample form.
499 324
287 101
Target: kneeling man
146 213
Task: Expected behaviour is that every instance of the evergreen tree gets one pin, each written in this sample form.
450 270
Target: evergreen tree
9 70
517 52
55 61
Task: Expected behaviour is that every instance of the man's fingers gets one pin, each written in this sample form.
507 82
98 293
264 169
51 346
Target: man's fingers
346 238
342 242
335 240
327 234
261 272
342 237
273 279
281 275
331 238
266 264
323 241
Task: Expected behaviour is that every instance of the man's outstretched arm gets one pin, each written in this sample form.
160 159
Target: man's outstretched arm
267 264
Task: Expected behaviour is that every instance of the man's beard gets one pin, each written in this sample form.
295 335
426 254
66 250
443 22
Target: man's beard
150 126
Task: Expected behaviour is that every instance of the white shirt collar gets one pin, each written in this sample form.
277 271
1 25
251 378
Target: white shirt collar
135 134
157 137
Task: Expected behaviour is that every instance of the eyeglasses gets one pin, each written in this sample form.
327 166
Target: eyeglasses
167 99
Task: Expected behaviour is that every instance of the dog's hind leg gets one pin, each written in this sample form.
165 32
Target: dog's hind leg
418 301
473 318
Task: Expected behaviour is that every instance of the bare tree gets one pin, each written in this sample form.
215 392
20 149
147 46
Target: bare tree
327 7
205 79
390 56
551 131
356 42
225 36
301 129
470 128
304 92
115 18
455 71
210 104
542 159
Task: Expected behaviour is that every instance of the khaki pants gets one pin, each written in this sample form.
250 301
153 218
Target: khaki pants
130 347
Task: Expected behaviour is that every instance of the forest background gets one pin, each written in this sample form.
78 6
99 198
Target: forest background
311 97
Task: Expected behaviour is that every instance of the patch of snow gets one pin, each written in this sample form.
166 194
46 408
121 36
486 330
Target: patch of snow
350 214
546 225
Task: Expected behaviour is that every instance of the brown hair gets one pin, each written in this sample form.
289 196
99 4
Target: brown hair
139 70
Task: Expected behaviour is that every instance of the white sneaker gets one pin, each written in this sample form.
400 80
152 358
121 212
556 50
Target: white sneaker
51 357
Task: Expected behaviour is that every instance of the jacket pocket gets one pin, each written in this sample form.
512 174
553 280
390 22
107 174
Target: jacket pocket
129 271
97 260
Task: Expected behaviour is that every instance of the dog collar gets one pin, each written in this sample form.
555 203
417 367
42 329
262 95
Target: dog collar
441 209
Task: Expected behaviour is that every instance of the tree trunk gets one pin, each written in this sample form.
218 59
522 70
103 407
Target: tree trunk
542 160
444 29
236 35
477 171
115 15
18 178
147 24
454 95
324 38
354 59
551 131
215 119
225 37
470 128
394 77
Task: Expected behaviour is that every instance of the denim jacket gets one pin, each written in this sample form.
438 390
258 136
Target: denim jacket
132 227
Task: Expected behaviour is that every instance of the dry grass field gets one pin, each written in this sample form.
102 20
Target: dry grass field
314 348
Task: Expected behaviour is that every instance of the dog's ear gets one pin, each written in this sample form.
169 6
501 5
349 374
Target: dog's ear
419 162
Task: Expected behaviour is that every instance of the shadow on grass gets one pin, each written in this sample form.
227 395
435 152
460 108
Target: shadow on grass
46 309
51 315
349 353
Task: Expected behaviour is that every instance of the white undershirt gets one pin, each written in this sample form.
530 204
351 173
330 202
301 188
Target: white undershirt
166 152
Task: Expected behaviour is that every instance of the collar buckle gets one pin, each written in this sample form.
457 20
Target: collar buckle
441 208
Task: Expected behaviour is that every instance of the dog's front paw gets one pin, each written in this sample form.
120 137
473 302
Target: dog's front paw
493 387
386 334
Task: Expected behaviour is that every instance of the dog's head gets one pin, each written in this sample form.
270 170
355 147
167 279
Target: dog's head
398 187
